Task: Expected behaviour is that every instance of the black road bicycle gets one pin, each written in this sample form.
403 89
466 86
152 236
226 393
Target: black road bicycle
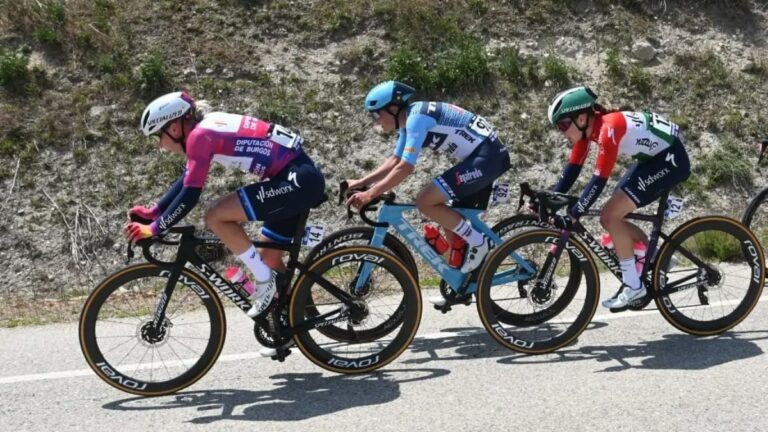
705 278
155 328
756 214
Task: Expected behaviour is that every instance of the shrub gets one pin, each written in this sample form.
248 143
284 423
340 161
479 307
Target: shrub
406 65
13 70
715 244
556 71
639 80
154 76
726 166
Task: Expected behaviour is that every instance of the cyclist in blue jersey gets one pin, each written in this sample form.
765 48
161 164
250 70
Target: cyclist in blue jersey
441 127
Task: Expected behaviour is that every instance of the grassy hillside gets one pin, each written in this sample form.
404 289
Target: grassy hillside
75 76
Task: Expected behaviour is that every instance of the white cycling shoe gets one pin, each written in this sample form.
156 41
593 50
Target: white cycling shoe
271 352
475 255
262 296
625 296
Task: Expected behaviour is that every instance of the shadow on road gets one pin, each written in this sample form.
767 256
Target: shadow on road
674 351
462 344
297 396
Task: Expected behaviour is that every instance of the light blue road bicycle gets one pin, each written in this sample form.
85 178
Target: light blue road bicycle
516 277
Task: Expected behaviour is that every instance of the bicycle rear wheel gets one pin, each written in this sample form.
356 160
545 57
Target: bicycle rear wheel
536 323
709 275
392 301
756 217
123 348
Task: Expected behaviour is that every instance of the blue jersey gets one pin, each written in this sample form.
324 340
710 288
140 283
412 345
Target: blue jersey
442 127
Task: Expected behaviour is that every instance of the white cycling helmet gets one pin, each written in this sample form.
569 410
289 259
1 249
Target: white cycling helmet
164 109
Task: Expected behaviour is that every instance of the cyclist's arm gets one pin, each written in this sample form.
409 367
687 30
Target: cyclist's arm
396 176
573 169
192 185
169 196
606 160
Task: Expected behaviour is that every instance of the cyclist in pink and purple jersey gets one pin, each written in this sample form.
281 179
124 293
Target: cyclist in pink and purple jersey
267 150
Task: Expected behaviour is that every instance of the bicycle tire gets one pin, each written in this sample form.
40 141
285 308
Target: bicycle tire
756 218
521 338
509 227
331 265
343 238
747 247
126 287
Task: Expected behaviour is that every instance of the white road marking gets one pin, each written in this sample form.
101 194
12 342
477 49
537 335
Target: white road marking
252 355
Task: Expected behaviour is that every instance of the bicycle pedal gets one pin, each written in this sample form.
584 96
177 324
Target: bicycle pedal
444 308
617 310
281 354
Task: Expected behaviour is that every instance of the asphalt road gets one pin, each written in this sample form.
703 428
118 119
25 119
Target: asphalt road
628 371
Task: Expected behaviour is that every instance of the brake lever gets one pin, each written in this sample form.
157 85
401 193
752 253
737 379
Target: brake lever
129 253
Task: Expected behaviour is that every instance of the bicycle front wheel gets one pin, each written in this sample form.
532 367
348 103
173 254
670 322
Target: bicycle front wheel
125 350
391 300
521 314
709 275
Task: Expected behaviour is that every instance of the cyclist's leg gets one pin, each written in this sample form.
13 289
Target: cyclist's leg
472 175
642 185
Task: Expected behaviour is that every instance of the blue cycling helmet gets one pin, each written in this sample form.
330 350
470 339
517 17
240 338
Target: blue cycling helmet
386 93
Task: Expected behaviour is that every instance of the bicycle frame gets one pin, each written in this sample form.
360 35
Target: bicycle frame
610 259
391 214
188 257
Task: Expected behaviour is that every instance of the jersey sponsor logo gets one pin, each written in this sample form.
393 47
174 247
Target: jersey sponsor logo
435 140
165 222
170 116
292 178
250 123
612 136
647 143
265 194
584 203
446 187
259 170
462 133
409 150
671 158
636 118
643 183
432 107
469 176
452 148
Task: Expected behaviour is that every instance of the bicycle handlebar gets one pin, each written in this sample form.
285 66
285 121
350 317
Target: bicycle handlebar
545 202
345 192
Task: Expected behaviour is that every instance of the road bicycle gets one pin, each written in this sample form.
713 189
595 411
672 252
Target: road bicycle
705 278
456 287
756 214
155 328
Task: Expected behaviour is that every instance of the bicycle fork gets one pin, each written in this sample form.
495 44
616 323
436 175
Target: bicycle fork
542 288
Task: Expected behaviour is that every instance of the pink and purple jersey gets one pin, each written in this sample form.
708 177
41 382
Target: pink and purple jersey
241 142
238 141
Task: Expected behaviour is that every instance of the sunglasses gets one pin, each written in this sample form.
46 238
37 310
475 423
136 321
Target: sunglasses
564 124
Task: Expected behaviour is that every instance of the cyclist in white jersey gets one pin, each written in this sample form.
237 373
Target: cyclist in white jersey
441 127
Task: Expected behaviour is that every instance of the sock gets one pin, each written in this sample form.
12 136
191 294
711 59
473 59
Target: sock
629 273
472 236
252 260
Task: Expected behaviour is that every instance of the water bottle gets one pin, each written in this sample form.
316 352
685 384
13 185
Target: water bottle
458 248
638 248
606 241
238 277
435 239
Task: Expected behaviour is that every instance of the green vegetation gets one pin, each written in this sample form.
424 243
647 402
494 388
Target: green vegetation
725 167
715 244
155 78
556 71
13 70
